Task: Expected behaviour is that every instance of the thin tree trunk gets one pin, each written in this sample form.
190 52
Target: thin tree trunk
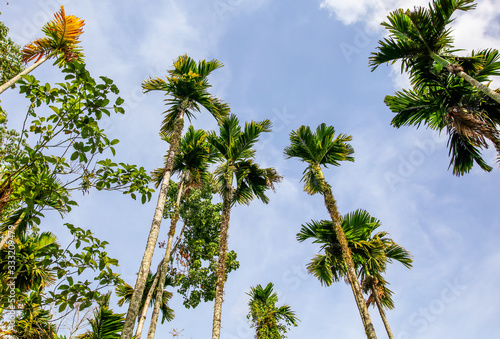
26 71
381 310
221 265
10 231
135 301
142 319
331 205
166 261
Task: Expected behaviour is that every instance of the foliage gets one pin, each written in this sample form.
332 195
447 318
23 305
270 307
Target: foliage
10 56
435 104
237 170
105 324
61 40
34 321
68 141
270 321
371 252
319 148
194 263
187 89
124 292
61 275
420 38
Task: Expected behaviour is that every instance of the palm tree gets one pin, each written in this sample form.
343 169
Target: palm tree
105 324
187 87
238 179
370 252
125 291
265 316
322 148
191 162
61 42
442 101
421 40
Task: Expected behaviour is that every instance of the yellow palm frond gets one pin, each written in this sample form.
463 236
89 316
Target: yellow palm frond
62 38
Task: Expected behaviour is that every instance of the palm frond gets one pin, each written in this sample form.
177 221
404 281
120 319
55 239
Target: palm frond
62 40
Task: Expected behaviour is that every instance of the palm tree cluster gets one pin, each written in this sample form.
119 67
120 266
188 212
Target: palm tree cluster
448 93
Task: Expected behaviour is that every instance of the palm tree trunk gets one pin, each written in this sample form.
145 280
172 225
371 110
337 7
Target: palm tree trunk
26 71
166 261
135 301
221 265
331 205
381 310
142 319
10 231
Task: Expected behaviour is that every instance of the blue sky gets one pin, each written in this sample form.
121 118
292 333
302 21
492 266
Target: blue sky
296 63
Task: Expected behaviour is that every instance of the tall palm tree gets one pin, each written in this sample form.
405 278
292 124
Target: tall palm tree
266 317
238 179
371 252
191 162
61 42
421 40
322 148
442 101
186 89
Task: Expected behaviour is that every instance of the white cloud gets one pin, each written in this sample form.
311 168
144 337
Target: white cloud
370 12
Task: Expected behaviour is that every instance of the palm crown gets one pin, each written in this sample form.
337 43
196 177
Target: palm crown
370 252
266 316
235 152
187 89
194 156
419 37
446 102
319 148
61 40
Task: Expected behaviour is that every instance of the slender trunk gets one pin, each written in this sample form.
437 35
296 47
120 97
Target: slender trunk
381 310
135 301
12 230
142 319
26 71
166 261
331 205
221 265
